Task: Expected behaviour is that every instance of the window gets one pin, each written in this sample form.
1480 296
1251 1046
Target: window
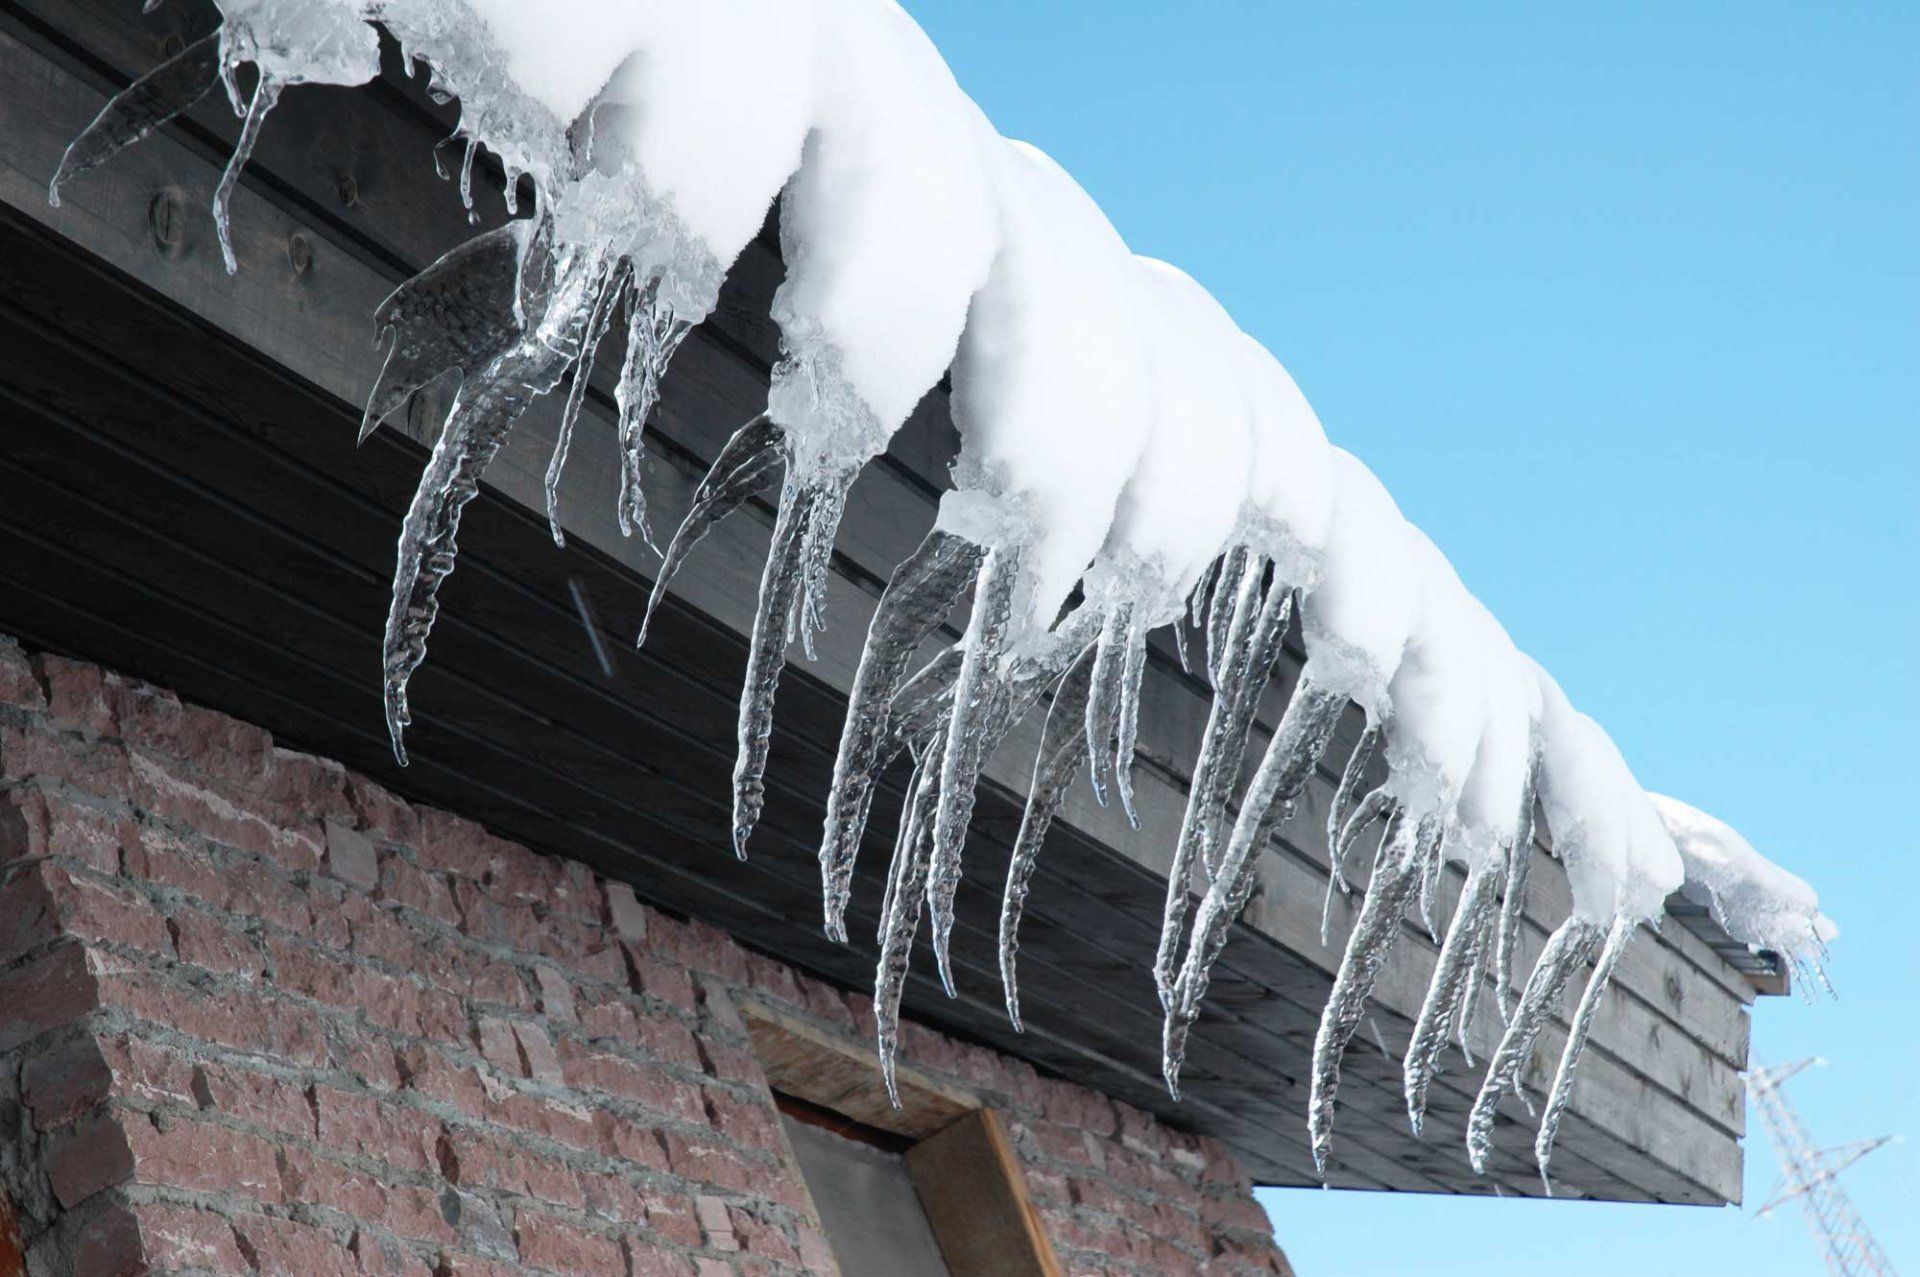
931 1189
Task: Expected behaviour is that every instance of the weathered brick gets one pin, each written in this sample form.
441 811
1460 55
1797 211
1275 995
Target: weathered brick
179 1237
92 1154
56 988
559 1247
204 941
110 1245
198 1157
538 1059
19 684
351 857
626 917
60 1084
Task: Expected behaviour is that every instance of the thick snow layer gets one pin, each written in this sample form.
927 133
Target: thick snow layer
1620 860
1051 388
1290 485
1753 899
322 42
1189 487
889 228
694 135
1490 813
1356 623
1439 692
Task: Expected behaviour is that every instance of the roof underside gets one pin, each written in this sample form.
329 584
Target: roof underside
183 500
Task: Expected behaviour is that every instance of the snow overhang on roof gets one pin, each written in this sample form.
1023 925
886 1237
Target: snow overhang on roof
1089 451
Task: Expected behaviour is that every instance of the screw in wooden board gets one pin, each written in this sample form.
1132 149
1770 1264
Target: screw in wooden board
166 218
300 252
348 191
171 45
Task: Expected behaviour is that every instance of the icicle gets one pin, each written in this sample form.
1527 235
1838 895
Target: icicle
1513 906
1476 981
1291 756
265 94
1244 686
653 336
746 465
477 424
1062 743
1348 791
140 108
1616 942
1453 977
457 314
922 591
900 914
923 704
1127 728
466 174
1375 932
766 658
1103 706
1569 946
613 282
1214 773
1202 589
1431 872
971 734
1220 609
816 556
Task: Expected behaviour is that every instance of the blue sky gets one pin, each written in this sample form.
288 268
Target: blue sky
1625 309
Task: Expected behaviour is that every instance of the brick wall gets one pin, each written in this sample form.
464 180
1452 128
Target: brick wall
259 1017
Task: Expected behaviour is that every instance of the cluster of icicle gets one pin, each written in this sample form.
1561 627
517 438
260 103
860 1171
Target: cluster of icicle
1130 460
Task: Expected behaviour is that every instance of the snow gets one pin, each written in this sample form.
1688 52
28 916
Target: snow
1190 485
1052 392
1120 435
1753 899
1357 622
889 228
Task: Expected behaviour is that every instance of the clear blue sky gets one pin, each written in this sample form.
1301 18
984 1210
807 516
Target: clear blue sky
1625 309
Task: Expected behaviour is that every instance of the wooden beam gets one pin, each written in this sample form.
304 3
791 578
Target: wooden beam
975 1195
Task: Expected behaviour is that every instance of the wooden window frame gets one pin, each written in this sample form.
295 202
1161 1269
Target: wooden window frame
961 1159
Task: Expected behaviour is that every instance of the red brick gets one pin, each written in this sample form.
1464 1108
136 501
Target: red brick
351 857
76 695
401 882
39 754
559 1247
538 1059
56 988
283 1248
210 944
626 917
89 834
28 915
61 1084
647 1260
192 1155
110 1245
180 1237
172 793
19 684
92 1154
361 1126
556 994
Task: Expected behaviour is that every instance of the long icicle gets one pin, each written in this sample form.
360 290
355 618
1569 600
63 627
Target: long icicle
1410 842
1063 743
1476 982
829 505
140 108
612 283
747 464
1572 942
654 335
477 424
1248 683
1297 744
1207 793
1126 739
1378 805
1103 704
265 93
1447 991
971 734
1352 778
1513 905
1577 1032
900 915
922 591
766 658
1220 609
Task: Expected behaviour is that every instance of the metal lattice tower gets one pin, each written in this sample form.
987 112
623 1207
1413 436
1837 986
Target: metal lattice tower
1811 1175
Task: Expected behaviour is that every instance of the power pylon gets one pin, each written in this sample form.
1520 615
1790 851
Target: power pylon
1811 1176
